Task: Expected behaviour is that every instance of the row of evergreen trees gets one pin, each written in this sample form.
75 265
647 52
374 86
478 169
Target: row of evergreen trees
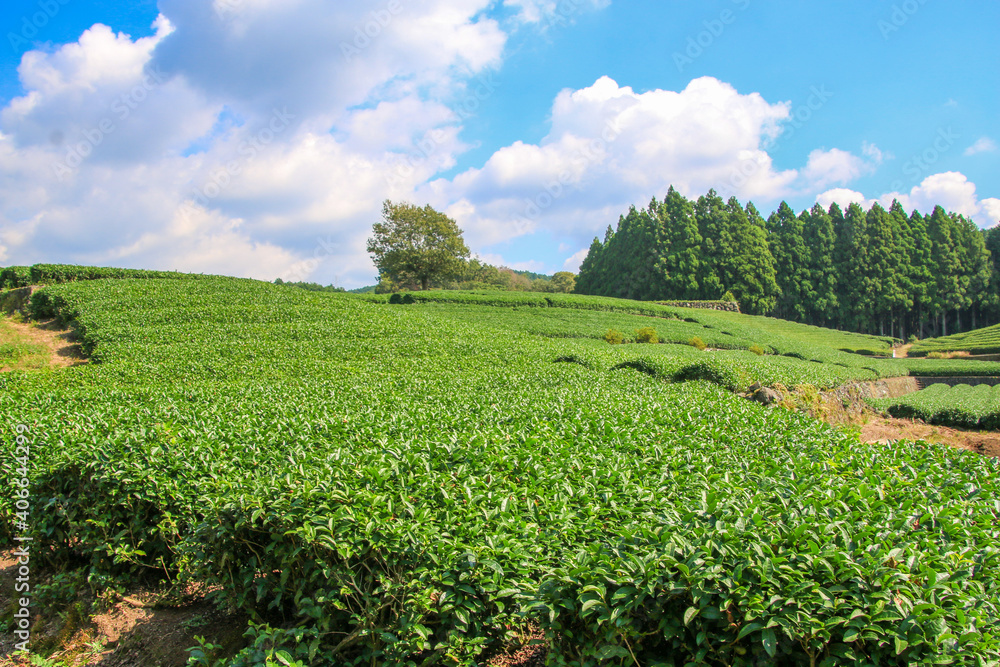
878 271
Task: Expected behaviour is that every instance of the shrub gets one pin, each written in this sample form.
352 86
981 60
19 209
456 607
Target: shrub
614 337
15 276
396 298
646 335
757 349
698 343
728 297
408 299
935 355
912 339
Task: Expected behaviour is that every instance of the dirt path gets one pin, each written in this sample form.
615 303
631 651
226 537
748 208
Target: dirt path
889 429
903 351
63 351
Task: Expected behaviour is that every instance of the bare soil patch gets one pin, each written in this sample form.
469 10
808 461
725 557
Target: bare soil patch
63 349
129 631
887 430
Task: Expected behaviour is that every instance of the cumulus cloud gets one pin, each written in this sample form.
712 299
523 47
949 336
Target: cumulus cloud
833 166
574 261
951 190
982 145
250 137
317 57
609 147
97 100
843 197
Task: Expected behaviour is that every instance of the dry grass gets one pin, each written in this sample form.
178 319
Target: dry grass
961 354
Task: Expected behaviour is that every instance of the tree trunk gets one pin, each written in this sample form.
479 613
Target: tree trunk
424 282
944 323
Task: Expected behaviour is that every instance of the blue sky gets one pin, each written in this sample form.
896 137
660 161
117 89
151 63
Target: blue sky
259 137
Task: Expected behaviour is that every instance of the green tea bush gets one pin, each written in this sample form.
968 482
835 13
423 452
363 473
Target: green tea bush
978 341
757 349
408 299
396 298
646 335
698 343
961 406
614 337
15 276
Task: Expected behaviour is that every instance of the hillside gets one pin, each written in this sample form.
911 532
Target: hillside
978 341
374 483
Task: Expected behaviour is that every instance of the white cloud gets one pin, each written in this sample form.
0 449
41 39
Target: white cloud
840 167
163 151
833 166
317 57
951 190
840 196
573 262
875 154
609 147
982 145
991 211
534 266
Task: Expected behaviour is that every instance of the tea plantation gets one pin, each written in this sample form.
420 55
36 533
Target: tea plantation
978 341
962 406
389 484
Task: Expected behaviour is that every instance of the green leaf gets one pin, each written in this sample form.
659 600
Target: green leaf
749 629
770 641
690 614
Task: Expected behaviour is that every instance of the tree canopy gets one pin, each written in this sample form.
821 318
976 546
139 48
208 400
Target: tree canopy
416 244
877 271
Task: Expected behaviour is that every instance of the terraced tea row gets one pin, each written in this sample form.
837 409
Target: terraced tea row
979 341
961 406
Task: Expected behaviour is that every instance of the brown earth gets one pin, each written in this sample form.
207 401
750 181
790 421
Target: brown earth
142 630
64 351
845 407
887 430
119 631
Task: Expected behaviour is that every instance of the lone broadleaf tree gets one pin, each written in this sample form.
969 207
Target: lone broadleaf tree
416 244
